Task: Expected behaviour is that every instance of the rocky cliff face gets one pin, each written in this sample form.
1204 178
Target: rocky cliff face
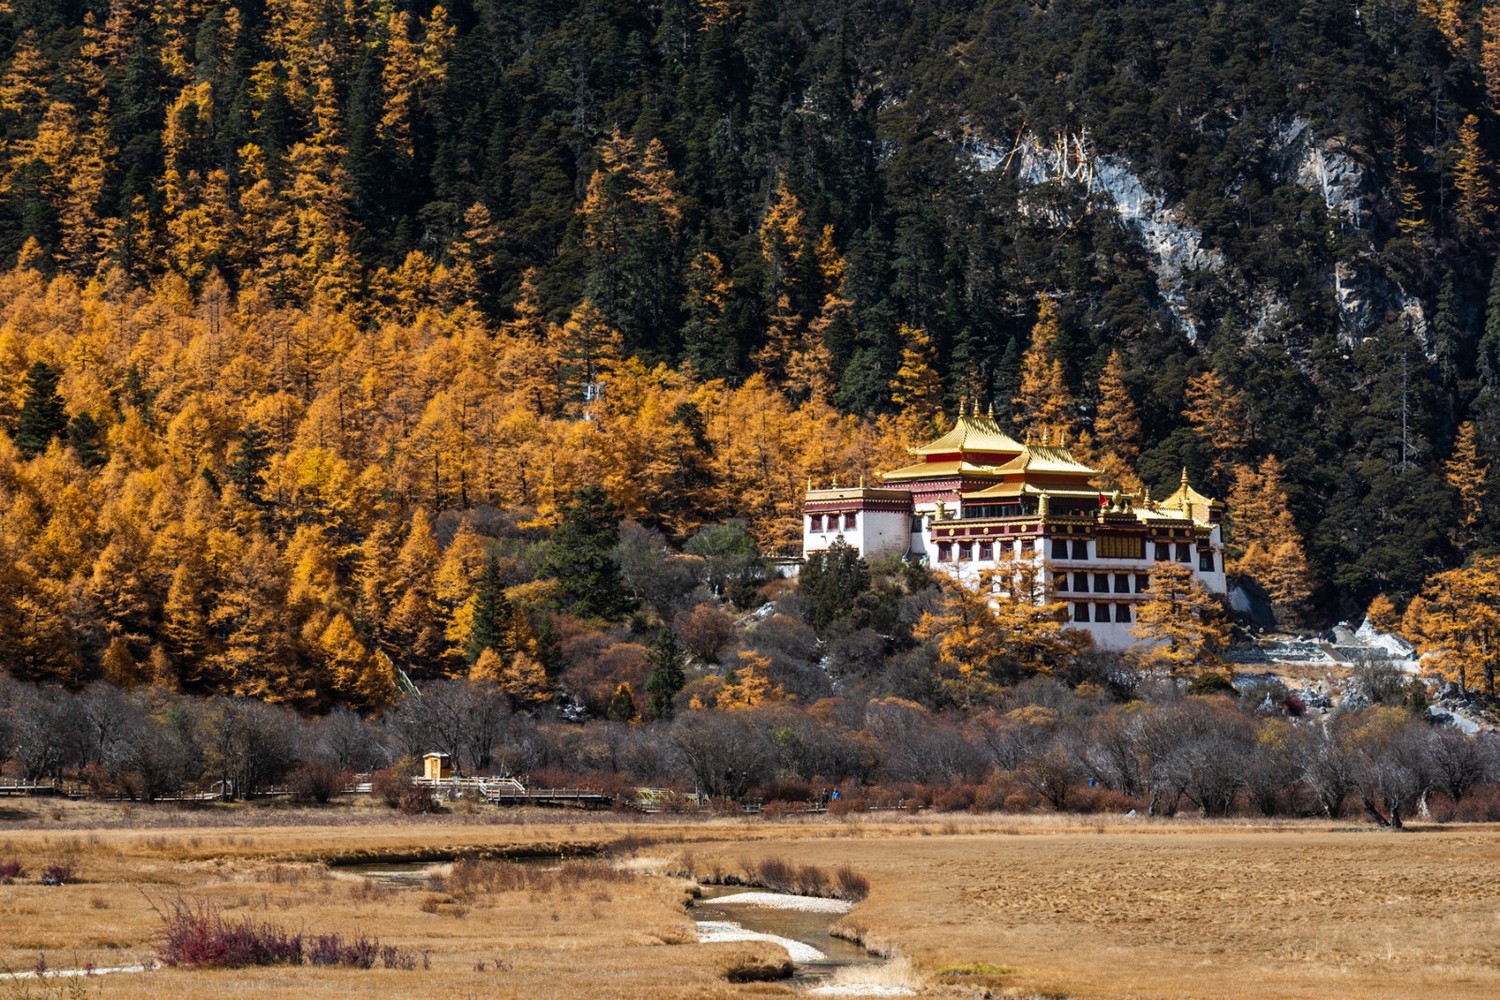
1363 297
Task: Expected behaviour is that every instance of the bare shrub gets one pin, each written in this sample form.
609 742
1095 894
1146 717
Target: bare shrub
776 874
416 800
1480 806
333 949
851 885
314 781
389 784
200 937
756 967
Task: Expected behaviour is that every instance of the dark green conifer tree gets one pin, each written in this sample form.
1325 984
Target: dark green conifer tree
248 464
492 615
86 438
581 556
832 580
1489 344
43 418
667 676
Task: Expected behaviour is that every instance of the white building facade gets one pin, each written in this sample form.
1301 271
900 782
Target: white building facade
978 498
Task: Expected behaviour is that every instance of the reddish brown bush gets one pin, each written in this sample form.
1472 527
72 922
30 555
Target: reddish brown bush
389 785
704 631
1480 806
314 781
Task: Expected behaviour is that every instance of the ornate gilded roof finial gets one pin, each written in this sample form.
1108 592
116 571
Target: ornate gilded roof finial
809 484
1184 477
963 407
1145 495
989 411
835 482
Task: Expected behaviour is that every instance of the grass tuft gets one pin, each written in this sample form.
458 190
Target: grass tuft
968 969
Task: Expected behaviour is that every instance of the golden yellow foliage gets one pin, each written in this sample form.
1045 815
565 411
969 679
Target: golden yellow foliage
750 685
1181 620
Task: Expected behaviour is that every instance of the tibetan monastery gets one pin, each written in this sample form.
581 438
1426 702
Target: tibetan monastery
977 495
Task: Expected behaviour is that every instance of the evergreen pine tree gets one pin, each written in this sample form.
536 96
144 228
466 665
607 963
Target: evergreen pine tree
1447 331
582 558
248 463
1489 343
492 616
832 580
85 437
42 415
622 706
667 677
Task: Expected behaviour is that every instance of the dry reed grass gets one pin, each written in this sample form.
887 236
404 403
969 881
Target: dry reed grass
1081 906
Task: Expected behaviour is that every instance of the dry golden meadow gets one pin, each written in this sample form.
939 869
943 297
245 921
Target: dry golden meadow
1017 906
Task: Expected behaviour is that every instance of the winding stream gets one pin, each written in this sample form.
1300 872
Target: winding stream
823 952
815 953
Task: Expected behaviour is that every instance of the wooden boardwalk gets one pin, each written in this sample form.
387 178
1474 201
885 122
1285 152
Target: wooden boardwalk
510 792
48 790
578 798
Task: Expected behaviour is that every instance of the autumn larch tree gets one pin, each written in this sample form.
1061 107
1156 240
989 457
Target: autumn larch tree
1006 628
1043 405
1382 614
1181 620
1455 623
1117 429
750 686
917 389
1216 411
1471 179
1468 475
1264 542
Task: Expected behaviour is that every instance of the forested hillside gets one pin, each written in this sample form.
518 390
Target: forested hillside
314 305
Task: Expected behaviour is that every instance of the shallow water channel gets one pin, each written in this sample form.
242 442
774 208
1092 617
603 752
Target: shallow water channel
809 928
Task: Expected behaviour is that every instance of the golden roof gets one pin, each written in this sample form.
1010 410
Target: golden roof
972 432
934 470
1045 458
1189 502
